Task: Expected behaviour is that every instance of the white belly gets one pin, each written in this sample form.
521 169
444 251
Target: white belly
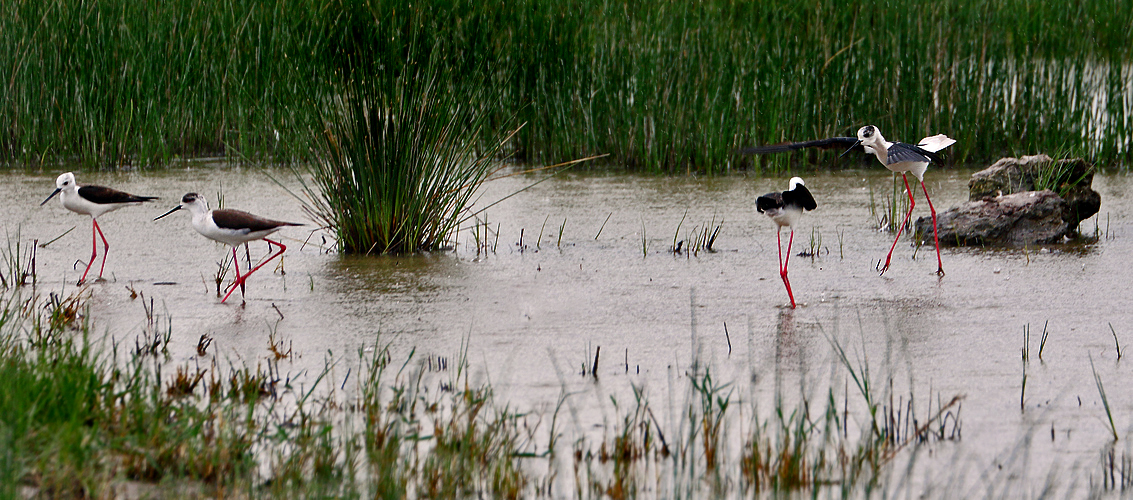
231 237
785 217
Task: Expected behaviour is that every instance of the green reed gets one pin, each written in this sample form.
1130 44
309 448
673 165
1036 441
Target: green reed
663 87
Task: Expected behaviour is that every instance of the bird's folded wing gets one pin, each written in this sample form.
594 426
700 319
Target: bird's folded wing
104 195
240 220
900 152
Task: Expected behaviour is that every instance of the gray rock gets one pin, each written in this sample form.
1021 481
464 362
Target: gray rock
1027 218
1006 176
1005 209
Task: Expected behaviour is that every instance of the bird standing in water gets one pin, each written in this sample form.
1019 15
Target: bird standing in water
785 209
904 158
233 228
93 201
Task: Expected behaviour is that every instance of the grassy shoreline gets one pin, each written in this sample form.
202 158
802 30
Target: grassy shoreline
662 87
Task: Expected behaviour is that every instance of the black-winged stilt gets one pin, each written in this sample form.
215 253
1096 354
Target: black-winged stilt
785 209
231 227
93 201
898 157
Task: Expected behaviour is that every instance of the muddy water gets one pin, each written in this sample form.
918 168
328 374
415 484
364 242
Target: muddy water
533 314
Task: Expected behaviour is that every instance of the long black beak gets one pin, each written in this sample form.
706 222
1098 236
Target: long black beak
174 209
856 144
53 193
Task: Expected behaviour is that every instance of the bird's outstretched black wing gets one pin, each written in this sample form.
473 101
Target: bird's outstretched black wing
800 196
901 151
831 143
104 195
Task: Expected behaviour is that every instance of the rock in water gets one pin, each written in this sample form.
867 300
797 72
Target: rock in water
1031 217
1005 209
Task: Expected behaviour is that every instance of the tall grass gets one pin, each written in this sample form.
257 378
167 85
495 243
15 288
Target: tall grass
115 83
661 86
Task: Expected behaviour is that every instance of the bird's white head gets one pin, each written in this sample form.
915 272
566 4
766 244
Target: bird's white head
66 182
794 183
193 202
63 183
869 137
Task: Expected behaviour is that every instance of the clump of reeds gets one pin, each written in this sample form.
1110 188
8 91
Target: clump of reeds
19 262
698 239
398 156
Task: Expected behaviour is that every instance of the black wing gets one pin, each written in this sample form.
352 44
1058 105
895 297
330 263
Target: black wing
901 151
800 196
104 195
769 201
831 143
239 219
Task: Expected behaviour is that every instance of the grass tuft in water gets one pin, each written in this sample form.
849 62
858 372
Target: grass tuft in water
19 262
398 157
1105 400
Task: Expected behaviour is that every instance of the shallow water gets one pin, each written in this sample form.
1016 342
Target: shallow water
532 316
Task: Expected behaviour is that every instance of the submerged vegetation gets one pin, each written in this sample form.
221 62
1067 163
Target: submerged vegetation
660 86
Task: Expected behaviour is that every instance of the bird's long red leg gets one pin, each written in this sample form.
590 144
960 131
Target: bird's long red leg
783 264
248 256
105 247
912 203
236 265
779 246
935 237
244 278
93 249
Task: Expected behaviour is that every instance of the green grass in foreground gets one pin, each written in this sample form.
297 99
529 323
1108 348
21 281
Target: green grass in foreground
80 420
660 86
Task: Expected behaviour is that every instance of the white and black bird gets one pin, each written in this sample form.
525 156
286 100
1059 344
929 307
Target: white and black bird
785 209
898 157
93 201
233 228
